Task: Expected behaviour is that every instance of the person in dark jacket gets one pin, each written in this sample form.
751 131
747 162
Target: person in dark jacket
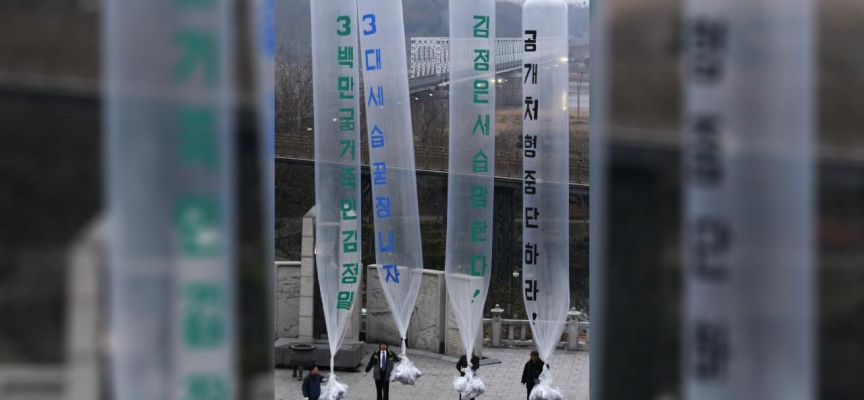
463 363
382 361
312 385
532 371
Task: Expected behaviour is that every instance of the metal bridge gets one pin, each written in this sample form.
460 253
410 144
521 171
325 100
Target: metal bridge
430 60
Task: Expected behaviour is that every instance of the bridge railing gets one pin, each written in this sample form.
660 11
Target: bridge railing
428 158
508 50
499 332
430 56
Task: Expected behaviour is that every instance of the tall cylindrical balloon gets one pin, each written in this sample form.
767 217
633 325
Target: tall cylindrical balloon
749 313
264 24
337 166
263 27
391 154
169 190
599 196
471 185
546 181
471 181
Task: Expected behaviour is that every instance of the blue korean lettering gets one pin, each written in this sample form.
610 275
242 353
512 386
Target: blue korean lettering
382 207
376 137
390 246
377 98
379 173
375 63
392 273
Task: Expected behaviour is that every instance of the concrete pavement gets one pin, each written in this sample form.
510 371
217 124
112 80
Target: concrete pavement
569 370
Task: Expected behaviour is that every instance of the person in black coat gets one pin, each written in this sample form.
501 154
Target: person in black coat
463 363
312 385
382 361
532 371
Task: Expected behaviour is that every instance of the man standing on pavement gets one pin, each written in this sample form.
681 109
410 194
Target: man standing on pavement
382 361
532 371
463 363
312 385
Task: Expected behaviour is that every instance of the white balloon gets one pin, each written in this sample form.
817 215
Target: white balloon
170 135
398 251
546 181
337 163
471 185
749 185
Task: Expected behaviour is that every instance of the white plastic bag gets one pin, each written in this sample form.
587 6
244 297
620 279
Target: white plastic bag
405 372
334 389
470 385
545 389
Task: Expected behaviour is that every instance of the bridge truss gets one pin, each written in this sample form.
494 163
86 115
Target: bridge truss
430 60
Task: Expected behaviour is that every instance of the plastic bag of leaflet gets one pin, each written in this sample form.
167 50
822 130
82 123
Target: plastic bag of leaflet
334 390
545 389
470 385
405 372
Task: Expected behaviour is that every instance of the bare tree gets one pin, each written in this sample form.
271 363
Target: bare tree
294 114
429 118
295 195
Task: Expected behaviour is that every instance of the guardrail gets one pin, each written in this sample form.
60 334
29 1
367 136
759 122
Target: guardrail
502 332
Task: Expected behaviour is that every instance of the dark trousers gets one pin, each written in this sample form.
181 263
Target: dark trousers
529 386
382 386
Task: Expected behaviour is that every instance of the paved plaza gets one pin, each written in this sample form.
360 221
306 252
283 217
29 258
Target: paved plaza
569 370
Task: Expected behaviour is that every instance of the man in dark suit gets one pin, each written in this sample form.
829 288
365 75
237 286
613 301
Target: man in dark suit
532 371
382 362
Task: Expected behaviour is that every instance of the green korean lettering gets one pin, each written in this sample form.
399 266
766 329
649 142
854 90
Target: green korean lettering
198 225
198 142
199 51
203 315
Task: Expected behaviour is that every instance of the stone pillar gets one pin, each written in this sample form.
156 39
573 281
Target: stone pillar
288 289
573 329
496 326
352 333
307 286
379 320
86 301
426 331
426 328
307 276
453 342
